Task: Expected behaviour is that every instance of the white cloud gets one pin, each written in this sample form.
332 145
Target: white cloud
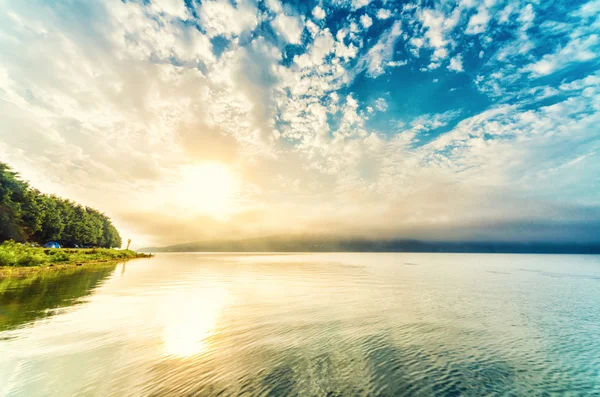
395 64
322 46
434 22
345 51
221 18
116 118
439 53
456 64
289 27
588 10
505 14
542 92
366 21
358 4
274 6
381 104
582 33
129 104
517 143
312 28
383 13
382 52
478 22
172 7
432 121
416 43
542 67
142 37
318 12
438 27
589 81
352 122
526 16
577 50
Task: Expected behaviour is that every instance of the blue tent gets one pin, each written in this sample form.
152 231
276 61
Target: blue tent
52 244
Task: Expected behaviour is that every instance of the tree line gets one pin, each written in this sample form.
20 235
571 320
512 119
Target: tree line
27 215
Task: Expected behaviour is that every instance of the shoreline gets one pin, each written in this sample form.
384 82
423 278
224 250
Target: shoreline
25 271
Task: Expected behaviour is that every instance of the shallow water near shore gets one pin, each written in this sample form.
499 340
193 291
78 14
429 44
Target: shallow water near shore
334 324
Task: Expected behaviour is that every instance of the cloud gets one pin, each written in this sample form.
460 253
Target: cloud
172 7
588 10
437 26
322 46
579 49
580 84
366 21
478 22
219 17
288 27
428 122
358 4
526 16
274 6
383 13
107 110
378 56
318 12
381 104
505 14
434 22
456 64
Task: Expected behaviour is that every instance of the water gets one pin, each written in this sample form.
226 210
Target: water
306 325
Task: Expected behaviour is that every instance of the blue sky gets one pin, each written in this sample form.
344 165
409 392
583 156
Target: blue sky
443 120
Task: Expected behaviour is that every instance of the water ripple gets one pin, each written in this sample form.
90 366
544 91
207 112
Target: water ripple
310 325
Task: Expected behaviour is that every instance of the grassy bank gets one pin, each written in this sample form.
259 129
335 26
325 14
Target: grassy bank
20 259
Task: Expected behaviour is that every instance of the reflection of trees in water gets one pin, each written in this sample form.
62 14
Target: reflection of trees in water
24 300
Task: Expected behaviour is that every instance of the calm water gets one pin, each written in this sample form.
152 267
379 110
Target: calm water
306 325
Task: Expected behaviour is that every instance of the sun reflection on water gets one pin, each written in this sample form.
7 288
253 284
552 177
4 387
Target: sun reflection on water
190 320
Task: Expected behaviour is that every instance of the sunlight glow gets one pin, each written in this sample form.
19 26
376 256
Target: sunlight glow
187 339
188 326
209 188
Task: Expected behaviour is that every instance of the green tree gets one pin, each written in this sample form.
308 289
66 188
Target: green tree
66 211
95 227
28 215
31 213
11 189
52 224
110 235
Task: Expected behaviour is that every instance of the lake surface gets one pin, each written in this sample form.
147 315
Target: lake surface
306 325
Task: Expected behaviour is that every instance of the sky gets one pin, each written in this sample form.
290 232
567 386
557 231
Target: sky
188 120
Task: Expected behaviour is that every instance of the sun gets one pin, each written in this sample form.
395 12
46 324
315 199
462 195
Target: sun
209 188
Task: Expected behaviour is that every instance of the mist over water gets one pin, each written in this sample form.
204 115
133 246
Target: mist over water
335 324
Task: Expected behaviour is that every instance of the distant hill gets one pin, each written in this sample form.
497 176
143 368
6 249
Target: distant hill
306 243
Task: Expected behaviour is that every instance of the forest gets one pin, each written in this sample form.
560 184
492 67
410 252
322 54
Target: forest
29 216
